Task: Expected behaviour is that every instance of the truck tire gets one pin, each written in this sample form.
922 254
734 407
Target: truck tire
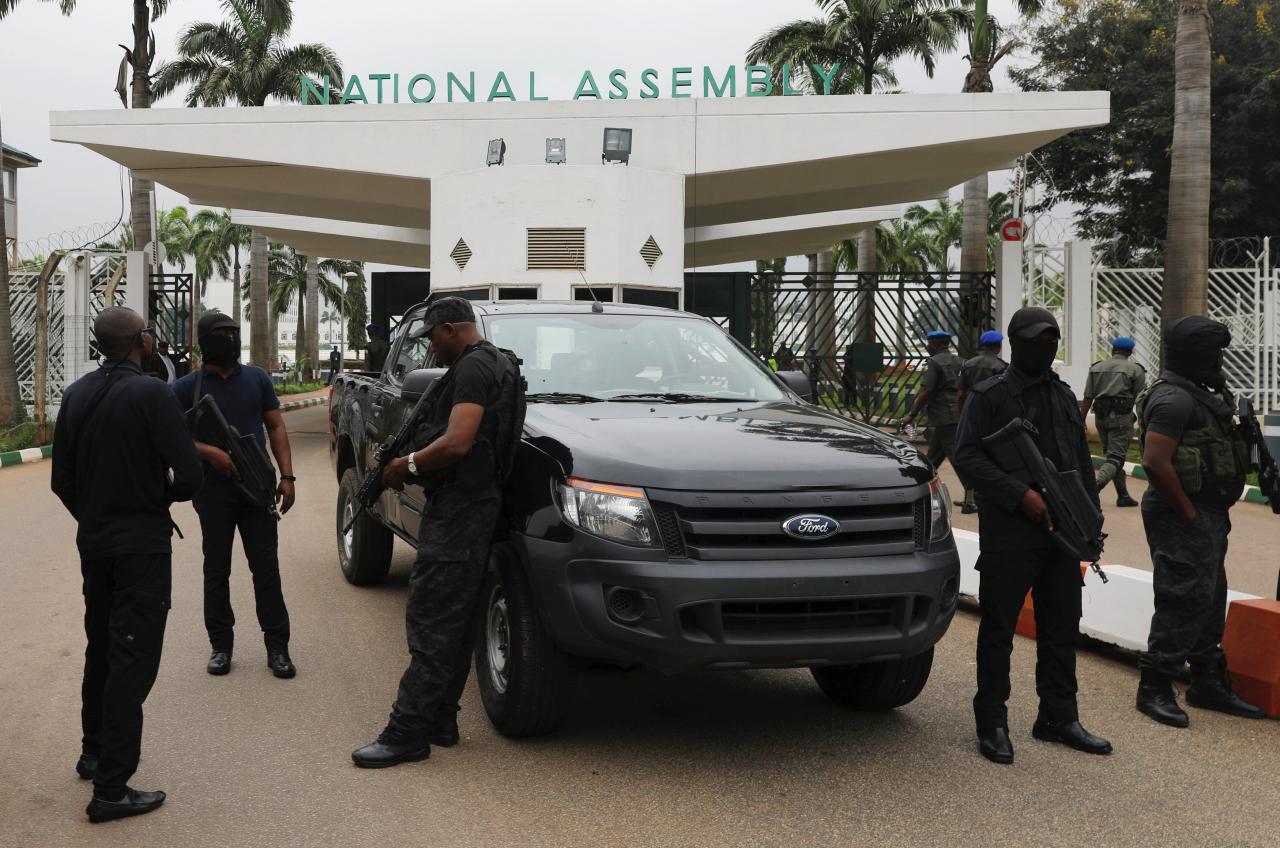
525 681
365 552
883 685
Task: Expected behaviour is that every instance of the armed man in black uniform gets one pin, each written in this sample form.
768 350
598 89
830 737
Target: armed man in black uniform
117 439
1196 461
466 445
938 388
974 371
1111 390
1017 553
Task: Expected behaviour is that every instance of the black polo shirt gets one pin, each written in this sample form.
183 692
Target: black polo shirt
117 436
244 396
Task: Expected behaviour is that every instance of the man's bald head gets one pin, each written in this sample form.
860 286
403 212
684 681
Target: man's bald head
116 329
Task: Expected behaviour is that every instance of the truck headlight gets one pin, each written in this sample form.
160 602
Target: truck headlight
939 510
619 513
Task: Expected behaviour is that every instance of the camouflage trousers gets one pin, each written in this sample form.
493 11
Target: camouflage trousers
1115 432
1190 592
442 610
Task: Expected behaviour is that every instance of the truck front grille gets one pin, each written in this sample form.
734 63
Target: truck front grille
748 525
843 614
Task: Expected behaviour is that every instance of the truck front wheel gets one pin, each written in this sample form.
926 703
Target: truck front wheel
882 685
525 681
365 552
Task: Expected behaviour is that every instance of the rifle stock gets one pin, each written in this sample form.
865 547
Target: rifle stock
1076 522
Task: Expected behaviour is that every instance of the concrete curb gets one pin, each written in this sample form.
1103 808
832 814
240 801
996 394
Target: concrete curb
18 457
1252 494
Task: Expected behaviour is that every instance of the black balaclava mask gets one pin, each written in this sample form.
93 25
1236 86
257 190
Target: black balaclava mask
220 350
1193 349
1027 354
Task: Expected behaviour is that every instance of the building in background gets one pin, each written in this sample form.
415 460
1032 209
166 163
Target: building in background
13 160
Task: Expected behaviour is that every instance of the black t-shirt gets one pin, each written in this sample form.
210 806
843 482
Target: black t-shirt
474 378
1171 411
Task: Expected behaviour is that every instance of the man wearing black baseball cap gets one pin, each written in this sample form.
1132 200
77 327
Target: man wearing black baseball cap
247 399
1016 552
464 448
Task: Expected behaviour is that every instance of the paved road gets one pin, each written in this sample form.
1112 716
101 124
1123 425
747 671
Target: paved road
1252 562
741 759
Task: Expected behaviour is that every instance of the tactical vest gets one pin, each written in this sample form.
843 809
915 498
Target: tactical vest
1214 456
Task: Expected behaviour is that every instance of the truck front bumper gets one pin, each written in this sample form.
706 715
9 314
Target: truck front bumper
678 615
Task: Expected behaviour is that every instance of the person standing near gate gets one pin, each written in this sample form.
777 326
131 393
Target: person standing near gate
1015 550
466 445
247 399
335 363
1111 389
117 439
976 369
937 395
1196 460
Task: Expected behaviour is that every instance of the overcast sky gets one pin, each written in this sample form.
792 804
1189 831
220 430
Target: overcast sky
50 63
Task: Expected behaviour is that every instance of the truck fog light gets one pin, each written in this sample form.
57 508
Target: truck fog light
619 513
626 606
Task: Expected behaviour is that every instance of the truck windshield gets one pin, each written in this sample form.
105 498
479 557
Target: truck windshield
645 356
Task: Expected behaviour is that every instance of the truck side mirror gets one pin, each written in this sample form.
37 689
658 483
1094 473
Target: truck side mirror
418 381
798 382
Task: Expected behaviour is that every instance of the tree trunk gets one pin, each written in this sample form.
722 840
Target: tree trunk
260 322
273 355
312 348
12 410
973 233
140 191
810 308
1186 255
865 319
235 286
825 313
300 333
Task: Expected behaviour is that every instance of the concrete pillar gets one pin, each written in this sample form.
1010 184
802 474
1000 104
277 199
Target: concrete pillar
1009 282
77 319
135 290
1077 335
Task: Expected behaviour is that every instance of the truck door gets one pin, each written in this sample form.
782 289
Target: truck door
411 351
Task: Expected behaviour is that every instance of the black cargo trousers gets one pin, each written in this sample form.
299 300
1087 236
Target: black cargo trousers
1190 582
223 510
126 606
443 609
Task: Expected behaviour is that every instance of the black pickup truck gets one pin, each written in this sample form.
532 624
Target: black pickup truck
675 504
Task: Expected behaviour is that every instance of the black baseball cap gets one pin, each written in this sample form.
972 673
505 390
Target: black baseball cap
211 321
1030 321
448 310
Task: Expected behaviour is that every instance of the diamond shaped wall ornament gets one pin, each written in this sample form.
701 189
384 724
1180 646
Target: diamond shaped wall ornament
651 252
461 254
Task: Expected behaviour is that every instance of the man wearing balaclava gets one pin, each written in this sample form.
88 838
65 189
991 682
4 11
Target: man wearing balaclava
247 399
1016 552
1196 461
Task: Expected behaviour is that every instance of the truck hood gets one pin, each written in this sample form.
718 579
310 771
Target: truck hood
720 446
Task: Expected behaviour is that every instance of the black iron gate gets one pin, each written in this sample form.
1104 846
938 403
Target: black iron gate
859 337
170 310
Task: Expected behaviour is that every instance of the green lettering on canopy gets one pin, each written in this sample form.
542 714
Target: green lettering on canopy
506 93
677 83
467 92
380 79
309 88
353 84
533 95
787 89
618 81
729 82
759 75
417 79
649 79
826 77
587 87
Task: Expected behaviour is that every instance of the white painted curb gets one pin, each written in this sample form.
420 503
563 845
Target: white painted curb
302 404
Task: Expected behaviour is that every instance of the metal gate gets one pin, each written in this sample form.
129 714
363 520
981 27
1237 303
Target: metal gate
171 316
859 337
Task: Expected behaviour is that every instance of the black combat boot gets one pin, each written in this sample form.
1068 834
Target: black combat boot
1156 700
1213 692
390 749
994 744
444 731
1122 490
86 766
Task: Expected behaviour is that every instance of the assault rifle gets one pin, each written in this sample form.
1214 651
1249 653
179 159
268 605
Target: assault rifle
255 475
372 487
1075 522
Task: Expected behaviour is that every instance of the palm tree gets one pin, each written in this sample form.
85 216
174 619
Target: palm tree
355 307
940 226
305 280
12 409
987 46
244 60
216 236
1186 255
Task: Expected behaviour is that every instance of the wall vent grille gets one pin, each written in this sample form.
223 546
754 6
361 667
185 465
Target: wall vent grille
461 254
556 249
651 252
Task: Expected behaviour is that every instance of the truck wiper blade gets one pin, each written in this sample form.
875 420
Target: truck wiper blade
561 397
676 397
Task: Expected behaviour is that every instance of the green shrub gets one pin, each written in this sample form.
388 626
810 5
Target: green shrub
22 436
299 388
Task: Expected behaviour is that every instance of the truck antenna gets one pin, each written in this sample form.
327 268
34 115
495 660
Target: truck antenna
596 306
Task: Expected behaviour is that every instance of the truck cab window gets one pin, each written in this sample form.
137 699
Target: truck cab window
412 353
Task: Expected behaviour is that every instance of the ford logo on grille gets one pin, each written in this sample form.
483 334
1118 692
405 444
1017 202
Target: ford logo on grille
811 527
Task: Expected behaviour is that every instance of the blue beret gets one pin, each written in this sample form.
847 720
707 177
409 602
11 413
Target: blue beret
1123 343
938 334
991 337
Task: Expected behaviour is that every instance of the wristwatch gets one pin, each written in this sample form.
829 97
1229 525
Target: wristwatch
413 466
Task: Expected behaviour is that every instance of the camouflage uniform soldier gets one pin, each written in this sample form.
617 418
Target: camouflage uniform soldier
1110 391
1197 460
938 390
974 371
466 445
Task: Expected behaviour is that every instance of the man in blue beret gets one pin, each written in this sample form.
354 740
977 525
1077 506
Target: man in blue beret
1111 390
976 369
